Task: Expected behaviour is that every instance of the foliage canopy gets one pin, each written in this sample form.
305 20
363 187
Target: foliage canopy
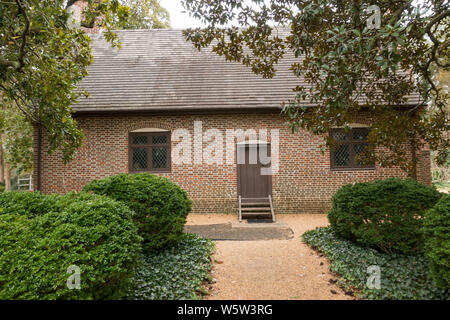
145 14
349 66
43 57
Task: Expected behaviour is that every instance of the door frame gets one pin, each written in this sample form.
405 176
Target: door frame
238 170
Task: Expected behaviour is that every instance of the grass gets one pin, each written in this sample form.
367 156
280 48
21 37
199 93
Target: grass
402 276
176 273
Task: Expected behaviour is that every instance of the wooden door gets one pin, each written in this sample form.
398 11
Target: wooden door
252 184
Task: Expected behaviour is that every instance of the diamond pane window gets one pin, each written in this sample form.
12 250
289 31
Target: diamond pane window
339 135
140 159
159 139
140 140
159 158
358 149
342 155
360 134
149 151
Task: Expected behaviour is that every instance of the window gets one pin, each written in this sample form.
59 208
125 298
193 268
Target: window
348 145
149 151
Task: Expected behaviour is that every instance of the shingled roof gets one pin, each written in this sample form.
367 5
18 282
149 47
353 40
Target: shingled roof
158 70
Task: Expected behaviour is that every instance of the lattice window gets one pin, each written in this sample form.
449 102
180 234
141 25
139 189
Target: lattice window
149 151
140 159
140 140
159 158
346 152
339 135
359 148
159 139
360 134
342 155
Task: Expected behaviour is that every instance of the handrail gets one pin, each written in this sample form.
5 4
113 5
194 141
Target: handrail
271 208
240 209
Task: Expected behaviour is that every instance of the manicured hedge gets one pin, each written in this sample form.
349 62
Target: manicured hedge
161 206
93 232
437 241
30 204
385 214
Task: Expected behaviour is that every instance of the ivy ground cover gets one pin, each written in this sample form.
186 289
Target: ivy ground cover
402 276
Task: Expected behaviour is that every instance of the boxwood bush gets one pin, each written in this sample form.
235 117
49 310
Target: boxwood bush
161 206
385 214
437 241
95 233
32 204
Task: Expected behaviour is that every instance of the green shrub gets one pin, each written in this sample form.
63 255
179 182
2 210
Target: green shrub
403 276
161 206
385 214
95 233
174 273
437 241
29 204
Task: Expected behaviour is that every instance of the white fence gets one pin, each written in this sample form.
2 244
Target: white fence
25 182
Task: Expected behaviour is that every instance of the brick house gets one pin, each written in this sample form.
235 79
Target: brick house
158 97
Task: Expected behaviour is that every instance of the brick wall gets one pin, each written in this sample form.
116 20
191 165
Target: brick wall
303 184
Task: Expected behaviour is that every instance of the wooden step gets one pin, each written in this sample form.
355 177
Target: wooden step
256 214
255 201
255 204
245 209
261 208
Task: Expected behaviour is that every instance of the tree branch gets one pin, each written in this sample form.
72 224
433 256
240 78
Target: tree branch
435 41
24 34
89 25
70 3
435 20
8 63
15 98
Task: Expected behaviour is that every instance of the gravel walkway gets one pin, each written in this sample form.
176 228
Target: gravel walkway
271 269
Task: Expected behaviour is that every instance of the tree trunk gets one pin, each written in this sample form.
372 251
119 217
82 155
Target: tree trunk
2 161
414 160
5 171
7 177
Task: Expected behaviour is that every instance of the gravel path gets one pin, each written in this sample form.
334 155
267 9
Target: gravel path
271 269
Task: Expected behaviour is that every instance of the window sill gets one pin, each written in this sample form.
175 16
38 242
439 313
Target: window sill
146 171
353 169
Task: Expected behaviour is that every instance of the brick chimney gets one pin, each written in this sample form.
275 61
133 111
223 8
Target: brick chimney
76 11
